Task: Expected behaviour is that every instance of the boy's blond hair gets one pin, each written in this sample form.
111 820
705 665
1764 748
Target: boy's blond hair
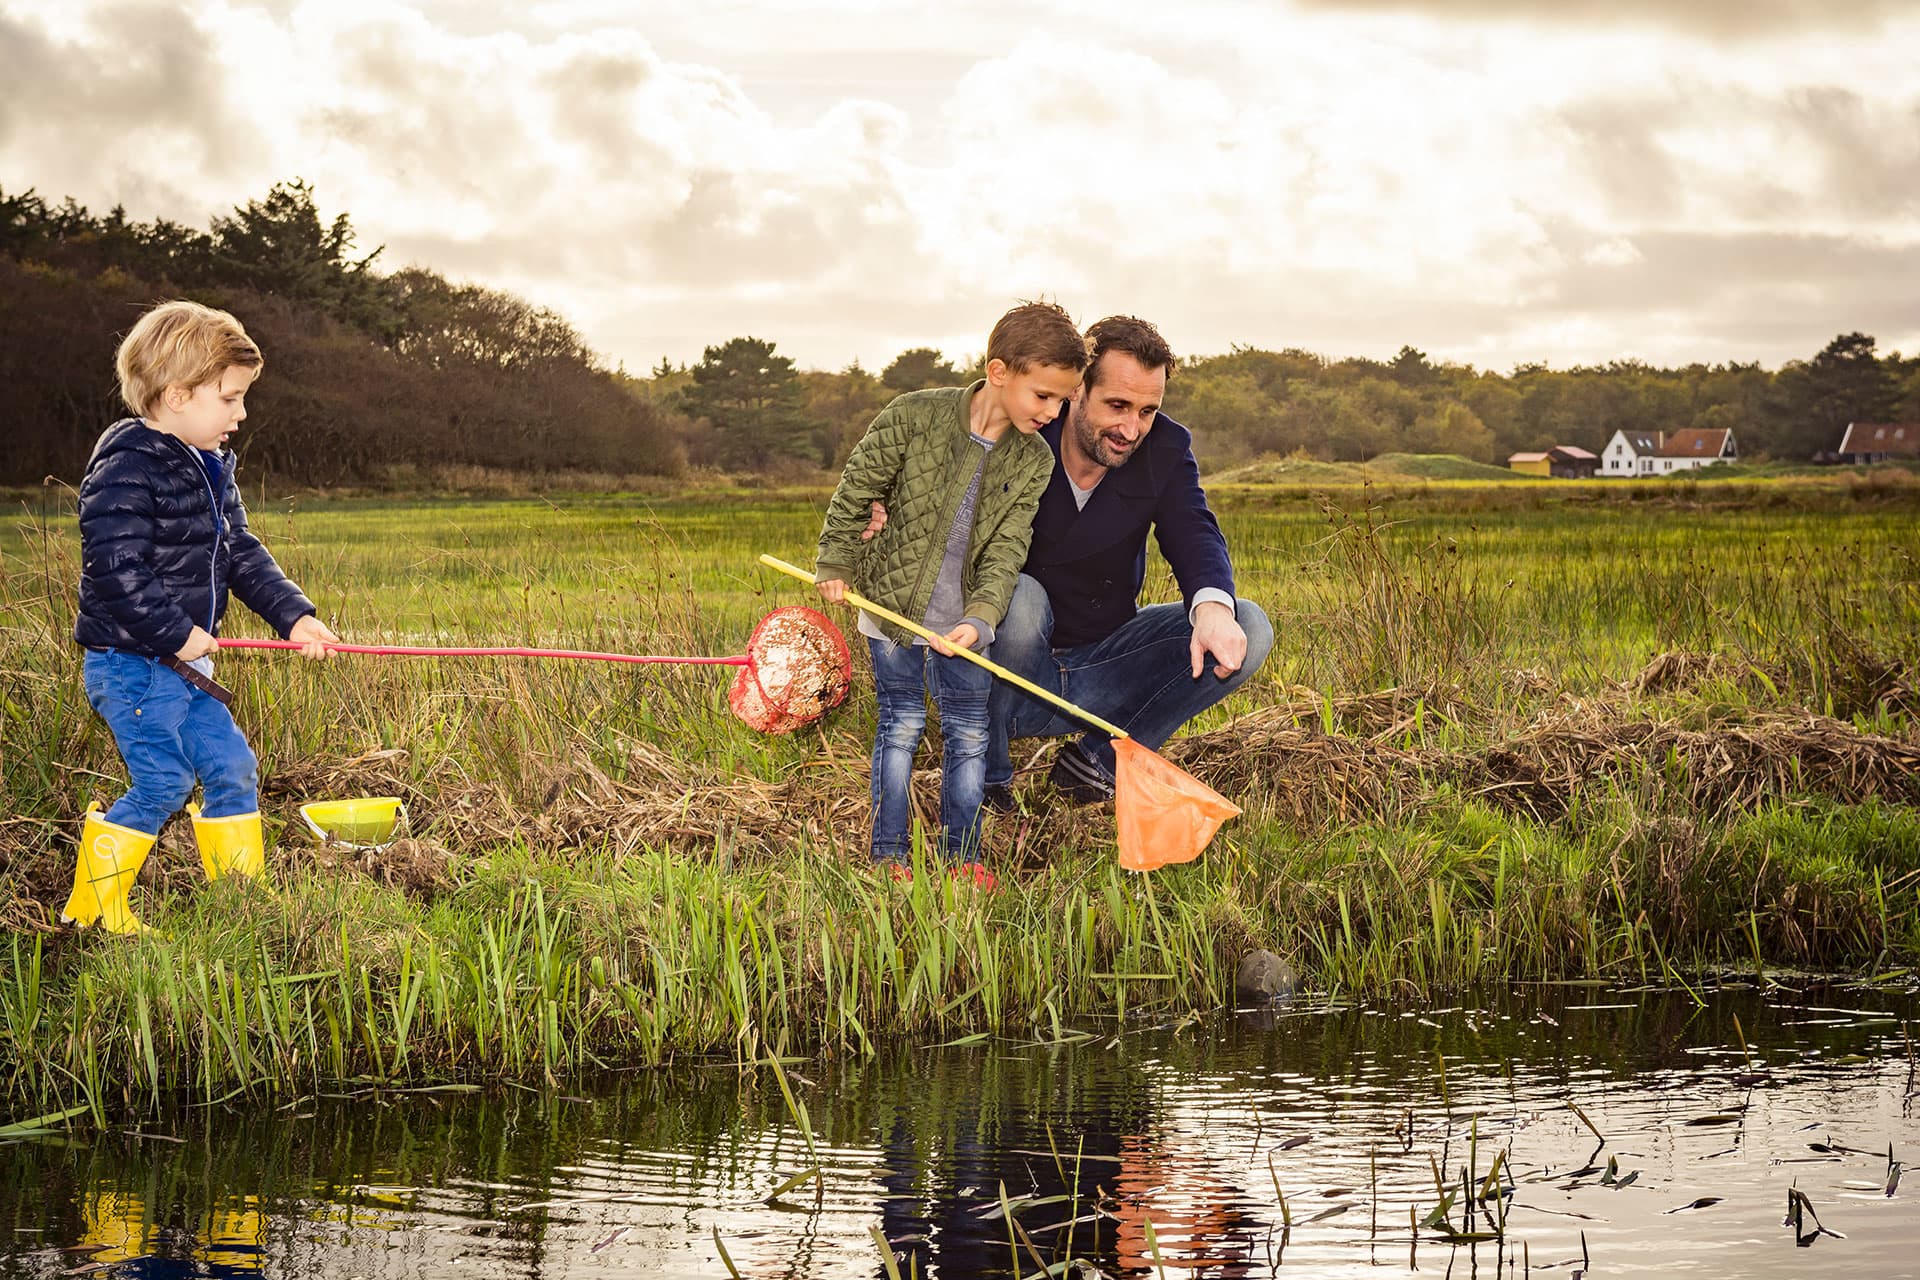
180 344
1037 333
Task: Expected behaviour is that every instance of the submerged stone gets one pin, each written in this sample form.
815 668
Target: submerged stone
1264 976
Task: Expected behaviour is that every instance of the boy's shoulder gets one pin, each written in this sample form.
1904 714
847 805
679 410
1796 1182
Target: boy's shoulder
128 446
930 398
131 452
127 433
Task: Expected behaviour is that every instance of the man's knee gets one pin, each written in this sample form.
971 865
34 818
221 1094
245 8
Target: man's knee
1254 622
1259 628
1027 627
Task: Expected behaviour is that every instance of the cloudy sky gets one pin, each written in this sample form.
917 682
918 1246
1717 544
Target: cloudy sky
1493 181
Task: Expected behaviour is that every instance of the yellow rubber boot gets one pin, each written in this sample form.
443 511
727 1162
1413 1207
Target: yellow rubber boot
229 846
110 857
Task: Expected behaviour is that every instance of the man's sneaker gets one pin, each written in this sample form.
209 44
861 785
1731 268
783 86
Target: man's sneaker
976 874
1078 776
998 798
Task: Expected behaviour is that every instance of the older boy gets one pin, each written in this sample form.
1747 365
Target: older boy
163 538
961 469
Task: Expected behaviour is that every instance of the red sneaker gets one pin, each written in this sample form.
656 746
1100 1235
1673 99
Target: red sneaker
898 871
977 873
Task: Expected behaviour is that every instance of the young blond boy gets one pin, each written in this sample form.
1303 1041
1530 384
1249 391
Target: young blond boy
960 471
163 539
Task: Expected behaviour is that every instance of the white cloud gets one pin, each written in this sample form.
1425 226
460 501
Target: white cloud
1616 252
851 178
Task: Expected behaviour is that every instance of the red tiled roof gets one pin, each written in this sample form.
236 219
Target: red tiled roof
1902 438
1694 442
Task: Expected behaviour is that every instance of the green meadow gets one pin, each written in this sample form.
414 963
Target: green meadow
1510 730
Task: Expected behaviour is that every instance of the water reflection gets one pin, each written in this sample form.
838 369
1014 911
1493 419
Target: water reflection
1306 1140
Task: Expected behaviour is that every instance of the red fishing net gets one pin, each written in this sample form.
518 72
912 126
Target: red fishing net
798 668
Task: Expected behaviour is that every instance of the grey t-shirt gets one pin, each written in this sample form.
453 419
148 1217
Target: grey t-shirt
945 610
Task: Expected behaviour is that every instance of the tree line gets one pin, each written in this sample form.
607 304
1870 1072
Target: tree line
371 376
743 405
391 377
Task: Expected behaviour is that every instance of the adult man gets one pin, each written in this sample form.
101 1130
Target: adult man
1073 625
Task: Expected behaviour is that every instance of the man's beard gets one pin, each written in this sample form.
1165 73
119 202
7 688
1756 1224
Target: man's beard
1093 444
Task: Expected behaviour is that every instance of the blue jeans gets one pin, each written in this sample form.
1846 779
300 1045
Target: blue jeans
903 675
169 733
1140 677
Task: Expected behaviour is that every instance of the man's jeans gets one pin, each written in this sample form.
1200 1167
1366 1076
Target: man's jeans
1140 677
169 733
902 676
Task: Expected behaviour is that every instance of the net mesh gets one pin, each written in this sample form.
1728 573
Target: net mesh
1162 814
798 668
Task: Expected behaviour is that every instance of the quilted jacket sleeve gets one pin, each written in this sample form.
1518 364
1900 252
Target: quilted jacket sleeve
116 556
255 577
868 478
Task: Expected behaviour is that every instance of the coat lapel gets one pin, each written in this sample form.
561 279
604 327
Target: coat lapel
1063 533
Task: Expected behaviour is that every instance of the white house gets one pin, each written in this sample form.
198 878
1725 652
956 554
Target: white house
1629 453
1660 453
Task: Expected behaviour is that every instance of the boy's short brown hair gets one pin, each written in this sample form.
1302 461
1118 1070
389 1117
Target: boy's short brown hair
1037 333
1135 337
180 344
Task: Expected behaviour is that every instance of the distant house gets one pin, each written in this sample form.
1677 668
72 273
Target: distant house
1660 453
1571 462
1879 441
1630 453
1562 462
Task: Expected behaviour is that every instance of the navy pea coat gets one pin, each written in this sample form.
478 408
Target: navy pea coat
160 551
1093 562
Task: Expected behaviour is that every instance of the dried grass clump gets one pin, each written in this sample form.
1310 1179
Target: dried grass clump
419 868
1315 781
1677 669
1709 771
1302 776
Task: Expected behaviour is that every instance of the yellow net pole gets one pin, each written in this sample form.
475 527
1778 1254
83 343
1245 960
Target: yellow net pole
861 602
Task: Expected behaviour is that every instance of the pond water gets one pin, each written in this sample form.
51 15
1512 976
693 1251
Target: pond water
1181 1148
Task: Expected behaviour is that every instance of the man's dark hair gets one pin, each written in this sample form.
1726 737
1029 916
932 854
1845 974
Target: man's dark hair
1135 337
1037 333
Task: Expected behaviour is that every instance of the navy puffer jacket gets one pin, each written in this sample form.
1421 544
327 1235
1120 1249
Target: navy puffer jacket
157 556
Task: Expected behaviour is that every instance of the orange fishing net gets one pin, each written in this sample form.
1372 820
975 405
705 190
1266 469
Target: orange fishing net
1163 813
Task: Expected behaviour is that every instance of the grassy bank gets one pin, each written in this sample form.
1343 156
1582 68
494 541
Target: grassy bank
1499 738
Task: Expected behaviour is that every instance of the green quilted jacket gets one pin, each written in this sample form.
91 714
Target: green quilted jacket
918 458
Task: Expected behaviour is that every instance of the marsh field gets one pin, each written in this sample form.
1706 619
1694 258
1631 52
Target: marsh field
1509 732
